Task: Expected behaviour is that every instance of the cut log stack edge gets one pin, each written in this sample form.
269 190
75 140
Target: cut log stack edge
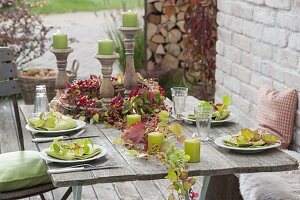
166 36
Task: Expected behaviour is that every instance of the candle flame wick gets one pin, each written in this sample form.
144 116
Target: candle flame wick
193 136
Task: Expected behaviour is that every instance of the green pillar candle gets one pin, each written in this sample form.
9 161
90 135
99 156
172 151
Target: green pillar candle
60 40
105 47
192 148
130 19
132 119
155 140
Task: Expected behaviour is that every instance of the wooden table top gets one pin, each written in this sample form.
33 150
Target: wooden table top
214 160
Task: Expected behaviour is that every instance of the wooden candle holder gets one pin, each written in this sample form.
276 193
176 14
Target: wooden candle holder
107 89
130 82
61 60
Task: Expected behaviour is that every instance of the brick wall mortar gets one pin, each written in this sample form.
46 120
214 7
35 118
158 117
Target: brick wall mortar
259 43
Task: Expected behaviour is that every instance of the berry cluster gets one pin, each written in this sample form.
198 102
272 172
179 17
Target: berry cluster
82 92
84 95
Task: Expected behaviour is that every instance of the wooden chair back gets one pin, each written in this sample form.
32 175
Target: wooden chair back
9 86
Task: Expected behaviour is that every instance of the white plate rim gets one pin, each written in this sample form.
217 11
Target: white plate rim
80 124
47 158
229 118
219 142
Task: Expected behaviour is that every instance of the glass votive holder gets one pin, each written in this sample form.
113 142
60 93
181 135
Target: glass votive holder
179 95
203 122
41 103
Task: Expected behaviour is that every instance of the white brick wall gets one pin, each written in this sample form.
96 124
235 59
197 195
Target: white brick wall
258 43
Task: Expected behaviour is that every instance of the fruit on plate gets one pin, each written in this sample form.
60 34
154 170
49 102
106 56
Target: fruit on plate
251 138
52 121
75 150
221 109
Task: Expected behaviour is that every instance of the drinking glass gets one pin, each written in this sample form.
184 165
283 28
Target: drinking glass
203 122
41 103
179 95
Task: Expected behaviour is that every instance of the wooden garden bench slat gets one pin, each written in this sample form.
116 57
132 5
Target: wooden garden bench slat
9 87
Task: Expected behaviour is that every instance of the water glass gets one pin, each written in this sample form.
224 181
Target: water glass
41 103
179 95
203 122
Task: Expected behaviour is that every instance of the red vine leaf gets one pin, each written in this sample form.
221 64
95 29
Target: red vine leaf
151 96
135 133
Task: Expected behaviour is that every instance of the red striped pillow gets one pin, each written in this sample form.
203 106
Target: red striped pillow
276 112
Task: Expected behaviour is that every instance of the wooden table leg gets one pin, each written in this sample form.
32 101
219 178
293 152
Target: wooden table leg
225 187
76 190
205 184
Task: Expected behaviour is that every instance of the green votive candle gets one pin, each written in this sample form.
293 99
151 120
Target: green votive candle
155 140
105 47
130 19
60 40
132 119
192 148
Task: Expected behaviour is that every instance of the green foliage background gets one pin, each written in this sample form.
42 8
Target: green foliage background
63 6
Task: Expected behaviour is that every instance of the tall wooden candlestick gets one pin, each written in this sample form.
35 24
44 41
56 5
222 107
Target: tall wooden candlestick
130 82
61 60
107 89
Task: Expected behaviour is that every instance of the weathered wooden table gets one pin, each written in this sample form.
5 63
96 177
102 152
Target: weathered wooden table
217 164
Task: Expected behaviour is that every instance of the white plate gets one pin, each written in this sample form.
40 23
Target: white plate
220 142
47 158
229 118
80 125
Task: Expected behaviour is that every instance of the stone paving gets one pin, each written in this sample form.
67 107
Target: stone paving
87 28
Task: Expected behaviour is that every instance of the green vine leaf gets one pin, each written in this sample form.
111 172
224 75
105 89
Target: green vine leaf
176 129
186 158
172 175
172 163
96 117
171 197
132 152
163 115
161 124
186 185
118 141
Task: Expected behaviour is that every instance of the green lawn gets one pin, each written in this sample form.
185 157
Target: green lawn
62 6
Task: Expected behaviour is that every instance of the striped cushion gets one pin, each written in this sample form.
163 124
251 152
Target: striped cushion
276 112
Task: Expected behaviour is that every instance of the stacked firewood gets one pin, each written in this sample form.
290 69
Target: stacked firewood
166 35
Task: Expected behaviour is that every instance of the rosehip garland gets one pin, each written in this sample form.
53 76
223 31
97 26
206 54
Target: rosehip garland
147 100
83 96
